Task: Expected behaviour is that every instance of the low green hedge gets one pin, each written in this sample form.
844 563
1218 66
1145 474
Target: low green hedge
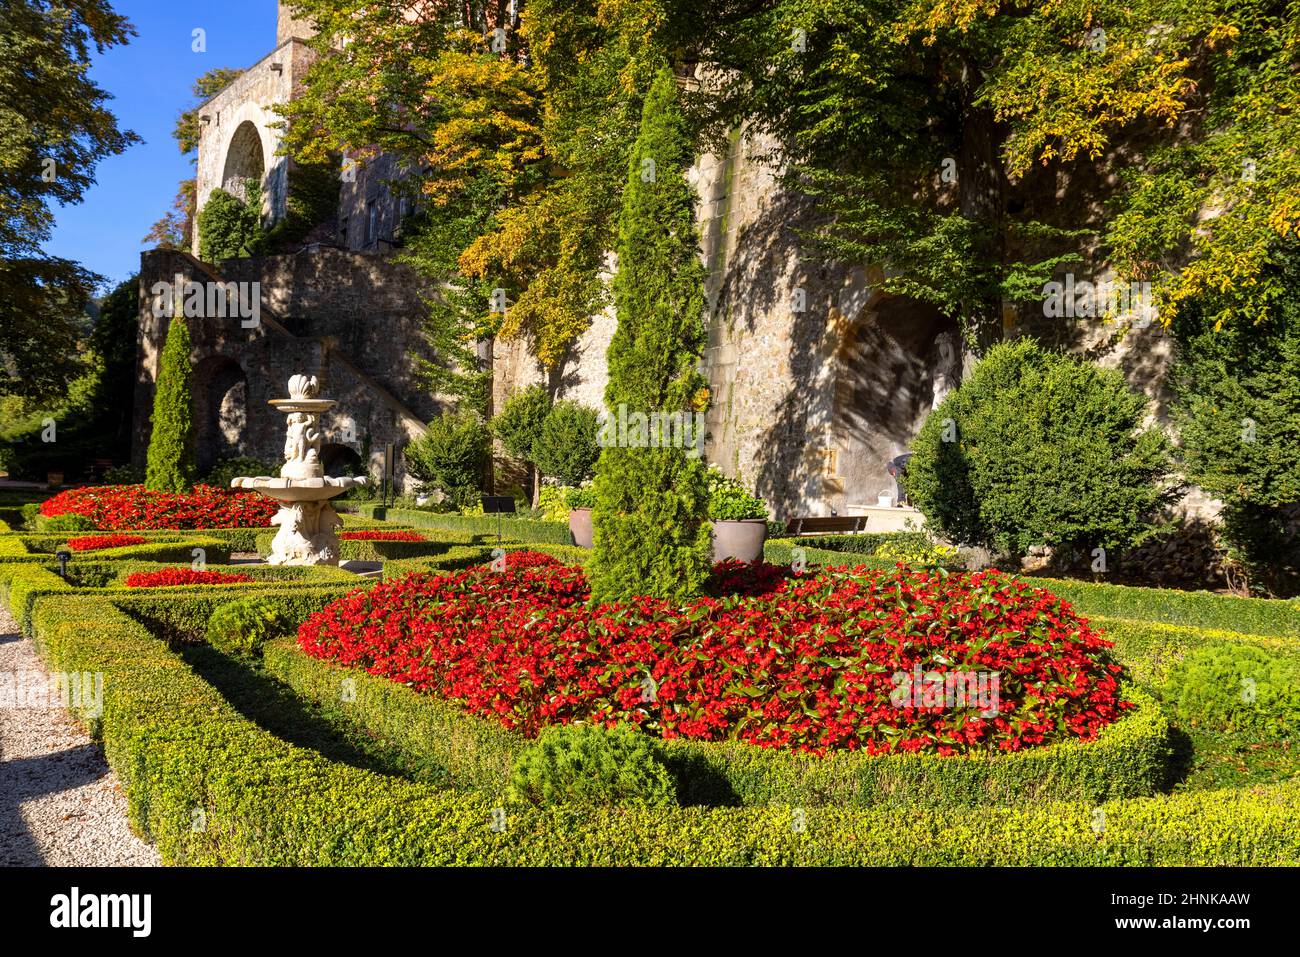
467 556
516 529
179 747
1128 759
235 539
378 551
1197 609
170 548
781 551
1149 649
22 585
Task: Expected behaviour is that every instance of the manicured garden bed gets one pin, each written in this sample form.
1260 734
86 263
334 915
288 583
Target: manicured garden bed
298 760
178 744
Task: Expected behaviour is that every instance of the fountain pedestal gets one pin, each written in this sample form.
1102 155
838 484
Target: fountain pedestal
306 518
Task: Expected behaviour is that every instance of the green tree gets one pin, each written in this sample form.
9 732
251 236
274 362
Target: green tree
519 426
566 448
967 145
452 456
231 228
55 128
652 535
1237 410
1040 448
93 417
170 466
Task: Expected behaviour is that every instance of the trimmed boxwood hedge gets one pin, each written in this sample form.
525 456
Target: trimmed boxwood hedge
512 529
1149 649
171 548
1197 609
378 551
1130 758
21 585
467 556
178 745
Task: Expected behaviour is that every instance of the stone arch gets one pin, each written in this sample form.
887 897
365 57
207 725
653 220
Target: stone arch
896 359
245 160
220 410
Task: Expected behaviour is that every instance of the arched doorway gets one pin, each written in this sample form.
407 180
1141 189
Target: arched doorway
898 359
341 460
244 160
220 410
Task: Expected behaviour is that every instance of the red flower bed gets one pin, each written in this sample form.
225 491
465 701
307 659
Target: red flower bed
167 577
116 507
379 535
94 543
845 659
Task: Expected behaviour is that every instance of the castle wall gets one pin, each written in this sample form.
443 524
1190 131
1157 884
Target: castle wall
272 80
353 335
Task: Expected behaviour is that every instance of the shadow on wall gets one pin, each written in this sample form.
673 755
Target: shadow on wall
892 364
863 367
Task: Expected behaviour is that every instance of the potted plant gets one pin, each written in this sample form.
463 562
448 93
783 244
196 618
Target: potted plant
739 520
580 502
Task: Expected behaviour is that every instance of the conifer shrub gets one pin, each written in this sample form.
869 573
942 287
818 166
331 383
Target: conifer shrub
170 466
652 535
590 764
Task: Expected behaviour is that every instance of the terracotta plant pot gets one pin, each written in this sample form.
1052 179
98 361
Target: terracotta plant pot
741 540
580 526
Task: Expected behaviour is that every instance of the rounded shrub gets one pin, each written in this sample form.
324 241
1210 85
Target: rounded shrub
242 627
589 764
67 522
1235 687
1040 448
230 227
566 448
452 456
519 423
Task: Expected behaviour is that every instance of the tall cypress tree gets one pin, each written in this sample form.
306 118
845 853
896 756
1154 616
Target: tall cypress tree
171 445
652 535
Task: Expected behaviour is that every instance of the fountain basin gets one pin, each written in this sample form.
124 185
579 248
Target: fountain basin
297 490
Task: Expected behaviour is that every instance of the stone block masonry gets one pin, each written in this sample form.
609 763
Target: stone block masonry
353 332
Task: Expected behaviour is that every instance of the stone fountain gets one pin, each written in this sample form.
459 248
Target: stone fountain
307 520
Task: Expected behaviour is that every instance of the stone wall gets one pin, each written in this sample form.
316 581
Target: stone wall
237 370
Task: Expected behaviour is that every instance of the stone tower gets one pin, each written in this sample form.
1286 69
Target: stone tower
289 27
236 139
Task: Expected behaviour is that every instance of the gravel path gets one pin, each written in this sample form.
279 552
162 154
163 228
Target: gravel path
60 805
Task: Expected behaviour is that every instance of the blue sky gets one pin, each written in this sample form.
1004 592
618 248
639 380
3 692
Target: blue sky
150 79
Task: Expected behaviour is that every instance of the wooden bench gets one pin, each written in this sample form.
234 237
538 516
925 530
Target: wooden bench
839 524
